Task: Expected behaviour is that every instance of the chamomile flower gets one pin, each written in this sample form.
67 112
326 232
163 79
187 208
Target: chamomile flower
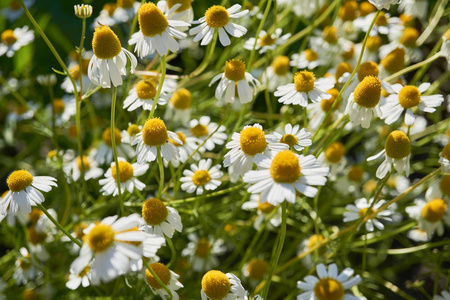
142 95
255 269
307 245
129 135
82 278
445 48
188 146
415 8
22 217
203 127
168 277
305 87
234 83
217 285
126 10
160 219
439 189
155 135
444 158
184 11
201 177
406 39
393 62
383 24
264 210
277 73
76 72
285 173
179 108
105 151
13 40
24 191
318 111
217 18
245 145
420 123
430 215
384 4
63 108
203 252
109 61
418 235
106 15
397 152
307 59
157 31
267 41
26 268
127 176
334 157
368 68
407 97
15 11
361 208
330 285
294 137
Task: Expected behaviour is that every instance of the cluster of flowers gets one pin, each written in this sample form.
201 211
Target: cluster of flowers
340 95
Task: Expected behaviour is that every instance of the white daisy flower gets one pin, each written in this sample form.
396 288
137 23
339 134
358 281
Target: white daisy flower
233 80
75 280
218 17
383 24
246 144
255 270
129 135
293 137
384 4
444 296
106 15
264 210
418 235
24 191
334 157
142 95
397 152
22 217
430 215
203 252
107 249
126 10
360 208
184 12
405 38
168 278
13 40
267 41
285 173
407 97
157 32
160 219
72 166
21 112
201 177
217 285
26 268
307 59
154 134
368 68
277 73
15 11
179 108
439 189
445 48
303 8
393 62
46 80
415 8
105 151
203 127
63 108
420 123
188 146
329 285
76 72
109 61
127 175
318 111
305 87
444 158
308 244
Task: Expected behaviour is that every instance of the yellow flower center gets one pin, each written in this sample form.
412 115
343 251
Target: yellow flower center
58 106
341 69
347 55
34 237
201 177
8 37
105 43
314 240
266 208
334 152
34 215
409 96
235 70
185 4
374 43
86 163
133 129
311 55
280 65
199 130
203 247
24 264
434 210
326 105
348 11
381 20
182 138
368 92
444 185
181 99
397 145
366 8
368 68
110 8
329 34
328 289
285 167
154 132
146 90
161 271
216 285
446 151
369 186
78 230
107 136
394 61
151 20
100 238
253 141
217 16
125 171
407 20
363 211
447 34
125 3
257 268
304 81
409 37
52 154
355 174
289 139
19 180
154 211
266 40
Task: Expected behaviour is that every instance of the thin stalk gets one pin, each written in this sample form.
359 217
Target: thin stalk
113 145
172 251
263 20
269 107
413 67
78 103
441 4
158 91
208 55
157 279
161 172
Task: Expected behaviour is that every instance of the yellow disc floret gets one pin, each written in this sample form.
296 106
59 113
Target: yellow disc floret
145 89
181 137
125 171
203 247
311 55
368 68
8 37
35 237
397 145
185 4
444 185
151 20
289 139
409 96
19 180
107 136
253 141
110 8
327 104
105 43
329 34
85 161
181 99
409 37
366 210
285 167
447 34
266 40
314 240
280 65
33 217
199 130
348 11
100 238
201 177
341 69
394 61
235 70
265 208
154 132
434 210
154 211
216 285
161 271
382 19
125 3
257 268
368 92
355 174
366 8
446 152
133 129
373 43
217 16
304 81
58 106
328 289
334 152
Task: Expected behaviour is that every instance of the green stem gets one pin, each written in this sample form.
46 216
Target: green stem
269 107
413 67
161 173
157 279
78 105
208 55
441 4
263 20
172 251
161 82
113 145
